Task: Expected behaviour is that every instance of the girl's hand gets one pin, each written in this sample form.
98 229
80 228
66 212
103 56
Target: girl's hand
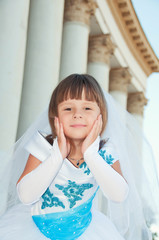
94 133
63 143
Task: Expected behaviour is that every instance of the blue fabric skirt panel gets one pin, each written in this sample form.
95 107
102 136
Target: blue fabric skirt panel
17 224
68 225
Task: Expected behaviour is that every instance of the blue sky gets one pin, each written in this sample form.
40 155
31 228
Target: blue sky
148 14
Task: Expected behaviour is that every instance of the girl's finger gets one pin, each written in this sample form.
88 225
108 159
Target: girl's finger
68 146
100 124
61 131
94 131
56 123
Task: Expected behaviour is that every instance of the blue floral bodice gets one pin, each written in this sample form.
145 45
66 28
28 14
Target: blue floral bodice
71 187
68 200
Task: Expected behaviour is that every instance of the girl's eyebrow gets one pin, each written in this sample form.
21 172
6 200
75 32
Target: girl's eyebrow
89 102
65 104
72 103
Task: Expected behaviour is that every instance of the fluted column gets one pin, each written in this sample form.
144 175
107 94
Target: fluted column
135 105
118 83
100 50
42 61
75 36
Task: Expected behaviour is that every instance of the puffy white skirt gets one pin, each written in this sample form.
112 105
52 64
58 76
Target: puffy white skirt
17 224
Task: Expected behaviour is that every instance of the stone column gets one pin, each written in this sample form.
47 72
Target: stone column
135 105
118 83
75 36
100 50
13 28
42 61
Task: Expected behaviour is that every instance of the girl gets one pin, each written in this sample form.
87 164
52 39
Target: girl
65 169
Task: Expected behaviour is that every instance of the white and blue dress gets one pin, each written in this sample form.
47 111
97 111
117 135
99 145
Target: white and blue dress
65 211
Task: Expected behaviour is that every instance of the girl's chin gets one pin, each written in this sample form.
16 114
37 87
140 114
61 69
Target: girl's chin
76 138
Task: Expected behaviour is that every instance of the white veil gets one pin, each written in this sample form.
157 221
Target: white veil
140 209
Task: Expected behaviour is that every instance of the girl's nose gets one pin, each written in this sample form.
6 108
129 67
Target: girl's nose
77 114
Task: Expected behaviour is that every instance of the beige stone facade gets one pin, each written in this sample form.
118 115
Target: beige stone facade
136 103
133 34
79 10
119 79
101 48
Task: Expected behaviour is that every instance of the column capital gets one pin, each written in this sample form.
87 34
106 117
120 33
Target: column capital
79 10
100 48
136 102
119 78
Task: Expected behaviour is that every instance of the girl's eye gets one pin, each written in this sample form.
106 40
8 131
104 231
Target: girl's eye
67 109
87 108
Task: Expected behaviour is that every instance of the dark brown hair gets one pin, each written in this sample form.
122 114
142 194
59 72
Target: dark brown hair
72 87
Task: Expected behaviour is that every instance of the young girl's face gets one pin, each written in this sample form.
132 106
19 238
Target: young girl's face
77 117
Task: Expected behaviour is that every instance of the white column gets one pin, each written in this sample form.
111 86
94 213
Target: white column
75 36
42 59
13 28
100 50
135 105
118 82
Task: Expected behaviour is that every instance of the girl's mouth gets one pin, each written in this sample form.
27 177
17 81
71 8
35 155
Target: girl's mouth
78 125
